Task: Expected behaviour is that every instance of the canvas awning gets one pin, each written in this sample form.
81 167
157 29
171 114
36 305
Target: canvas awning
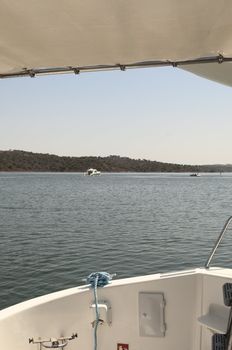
53 36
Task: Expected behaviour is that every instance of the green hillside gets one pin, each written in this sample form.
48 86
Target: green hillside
15 160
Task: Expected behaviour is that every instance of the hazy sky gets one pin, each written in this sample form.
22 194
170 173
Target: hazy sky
162 114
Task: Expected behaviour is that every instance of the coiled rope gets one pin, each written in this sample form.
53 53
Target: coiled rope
97 279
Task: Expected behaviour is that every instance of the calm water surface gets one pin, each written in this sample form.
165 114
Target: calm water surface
57 228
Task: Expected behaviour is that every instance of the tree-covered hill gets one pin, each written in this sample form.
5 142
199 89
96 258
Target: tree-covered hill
15 160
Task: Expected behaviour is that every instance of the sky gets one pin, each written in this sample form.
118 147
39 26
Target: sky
163 114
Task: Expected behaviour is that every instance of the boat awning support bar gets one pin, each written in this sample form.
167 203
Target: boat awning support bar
218 242
76 70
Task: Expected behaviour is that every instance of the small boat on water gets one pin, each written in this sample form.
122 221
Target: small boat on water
195 174
92 172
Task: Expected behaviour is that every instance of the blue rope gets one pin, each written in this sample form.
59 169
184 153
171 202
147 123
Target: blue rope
103 278
97 279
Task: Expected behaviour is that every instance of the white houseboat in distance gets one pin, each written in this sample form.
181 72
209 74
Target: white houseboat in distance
92 172
185 310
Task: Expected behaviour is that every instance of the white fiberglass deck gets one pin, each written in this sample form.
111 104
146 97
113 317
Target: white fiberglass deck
188 296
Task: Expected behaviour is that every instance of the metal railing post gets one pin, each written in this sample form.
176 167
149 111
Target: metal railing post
218 242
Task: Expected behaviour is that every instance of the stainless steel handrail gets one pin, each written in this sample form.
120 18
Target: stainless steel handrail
218 242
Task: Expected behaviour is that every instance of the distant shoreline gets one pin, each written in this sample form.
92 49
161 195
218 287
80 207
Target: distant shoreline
112 172
22 161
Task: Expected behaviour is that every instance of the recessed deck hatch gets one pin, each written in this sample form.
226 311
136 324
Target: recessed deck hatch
151 314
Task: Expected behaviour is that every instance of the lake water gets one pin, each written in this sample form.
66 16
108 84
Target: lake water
56 229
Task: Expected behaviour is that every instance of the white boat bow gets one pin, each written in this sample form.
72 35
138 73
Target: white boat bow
178 310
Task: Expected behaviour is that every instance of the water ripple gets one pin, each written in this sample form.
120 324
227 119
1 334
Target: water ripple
57 228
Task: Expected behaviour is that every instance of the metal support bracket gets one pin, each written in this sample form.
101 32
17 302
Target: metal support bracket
105 312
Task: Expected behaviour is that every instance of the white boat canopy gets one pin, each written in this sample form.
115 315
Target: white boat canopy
58 36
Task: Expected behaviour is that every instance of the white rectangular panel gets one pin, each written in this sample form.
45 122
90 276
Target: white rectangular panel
151 314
